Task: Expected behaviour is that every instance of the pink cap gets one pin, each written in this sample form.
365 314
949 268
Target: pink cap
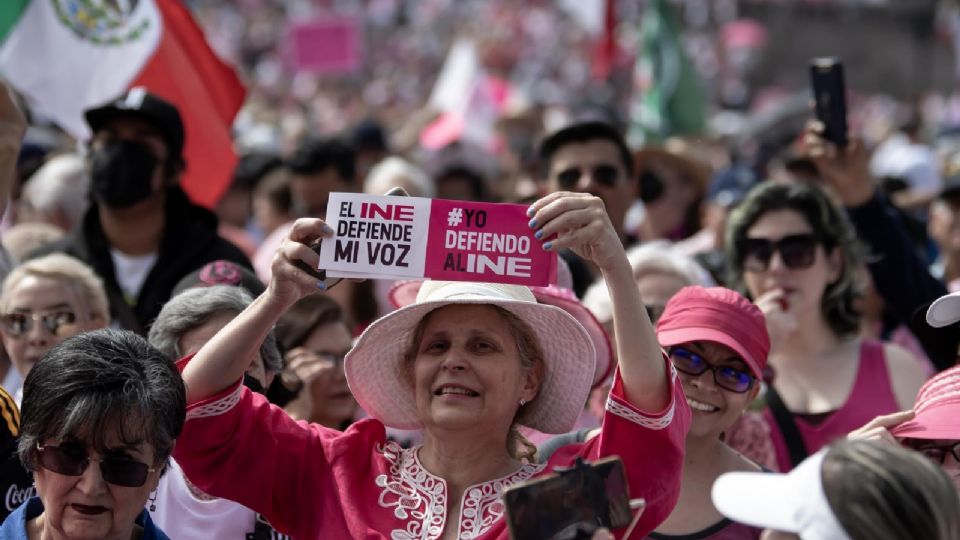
719 315
937 408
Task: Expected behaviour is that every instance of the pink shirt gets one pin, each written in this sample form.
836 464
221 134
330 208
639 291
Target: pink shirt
313 482
871 396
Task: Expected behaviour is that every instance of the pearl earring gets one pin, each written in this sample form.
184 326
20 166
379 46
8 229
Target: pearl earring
523 402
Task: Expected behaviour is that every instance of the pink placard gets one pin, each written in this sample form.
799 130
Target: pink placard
329 45
471 241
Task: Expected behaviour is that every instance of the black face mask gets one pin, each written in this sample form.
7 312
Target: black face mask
121 173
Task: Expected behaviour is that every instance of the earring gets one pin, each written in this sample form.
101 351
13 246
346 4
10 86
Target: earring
153 501
523 402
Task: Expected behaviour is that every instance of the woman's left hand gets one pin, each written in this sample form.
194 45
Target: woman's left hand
577 221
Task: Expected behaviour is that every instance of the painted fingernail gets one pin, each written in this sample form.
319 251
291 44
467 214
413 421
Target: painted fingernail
533 224
327 229
538 235
530 212
321 285
547 246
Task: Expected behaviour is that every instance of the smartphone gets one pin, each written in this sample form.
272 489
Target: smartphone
584 497
830 98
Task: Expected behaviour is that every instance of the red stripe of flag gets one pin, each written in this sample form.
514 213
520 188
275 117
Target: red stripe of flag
185 71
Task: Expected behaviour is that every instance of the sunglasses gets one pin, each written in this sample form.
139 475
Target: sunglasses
797 251
938 454
58 323
605 175
726 377
70 461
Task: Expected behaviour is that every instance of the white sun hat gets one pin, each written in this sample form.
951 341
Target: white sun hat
794 502
374 367
944 311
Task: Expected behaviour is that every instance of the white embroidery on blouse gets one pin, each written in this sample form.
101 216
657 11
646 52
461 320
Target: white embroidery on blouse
217 407
420 499
631 414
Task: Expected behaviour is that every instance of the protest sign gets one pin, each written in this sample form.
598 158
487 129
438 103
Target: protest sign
327 45
411 237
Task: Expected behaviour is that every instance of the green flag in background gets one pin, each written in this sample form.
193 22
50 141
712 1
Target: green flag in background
668 95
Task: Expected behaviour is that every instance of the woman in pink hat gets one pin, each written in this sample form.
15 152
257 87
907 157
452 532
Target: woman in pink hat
795 253
469 363
932 427
718 343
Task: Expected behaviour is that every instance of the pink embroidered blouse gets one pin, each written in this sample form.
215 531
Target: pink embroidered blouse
313 482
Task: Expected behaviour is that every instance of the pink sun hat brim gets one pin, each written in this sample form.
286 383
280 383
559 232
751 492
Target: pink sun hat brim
374 367
404 293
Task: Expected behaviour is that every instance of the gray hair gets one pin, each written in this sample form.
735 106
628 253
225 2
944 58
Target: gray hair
100 383
72 272
194 307
880 491
657 257
60 184
395 171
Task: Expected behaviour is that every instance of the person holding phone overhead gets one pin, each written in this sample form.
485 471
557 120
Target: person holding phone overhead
468 363
794 252
718 342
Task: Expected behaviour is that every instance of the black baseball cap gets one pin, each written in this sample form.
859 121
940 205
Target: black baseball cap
151 108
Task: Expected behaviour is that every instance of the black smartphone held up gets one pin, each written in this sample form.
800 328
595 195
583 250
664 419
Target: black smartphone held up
830 98
570 503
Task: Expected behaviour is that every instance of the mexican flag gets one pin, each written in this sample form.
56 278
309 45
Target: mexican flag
67 56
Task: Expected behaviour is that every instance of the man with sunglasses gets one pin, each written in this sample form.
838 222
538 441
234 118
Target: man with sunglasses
590 157
101 412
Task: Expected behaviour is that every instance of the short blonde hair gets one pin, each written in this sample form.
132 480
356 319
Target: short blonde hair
71 272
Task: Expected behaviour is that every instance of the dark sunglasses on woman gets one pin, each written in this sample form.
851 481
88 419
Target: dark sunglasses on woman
726 377
18 324
71 460
797 251
605 175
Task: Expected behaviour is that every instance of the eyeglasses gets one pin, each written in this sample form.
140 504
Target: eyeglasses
58 323
939 453
726 377
605 175
798 251
71 461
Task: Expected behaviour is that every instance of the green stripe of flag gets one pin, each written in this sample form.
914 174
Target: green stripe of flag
10 11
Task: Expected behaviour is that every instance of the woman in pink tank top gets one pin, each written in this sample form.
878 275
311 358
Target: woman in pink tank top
795 254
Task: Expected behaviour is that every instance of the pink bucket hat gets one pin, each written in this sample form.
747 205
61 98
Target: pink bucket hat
719 315
374 366
404 293
937 408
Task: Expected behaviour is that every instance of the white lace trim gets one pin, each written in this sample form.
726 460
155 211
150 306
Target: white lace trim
420 499
217 407
631 414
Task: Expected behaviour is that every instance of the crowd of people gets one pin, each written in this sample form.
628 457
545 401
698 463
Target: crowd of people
769 347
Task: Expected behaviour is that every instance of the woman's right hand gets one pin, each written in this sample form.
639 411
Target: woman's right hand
878 429
289 282
780 318
307 366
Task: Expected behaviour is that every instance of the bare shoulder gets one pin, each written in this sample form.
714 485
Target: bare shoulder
907 374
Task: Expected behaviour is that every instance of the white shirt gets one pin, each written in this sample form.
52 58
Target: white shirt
182 516
131 271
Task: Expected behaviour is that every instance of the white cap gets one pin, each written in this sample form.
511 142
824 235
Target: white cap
944 311
792 502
